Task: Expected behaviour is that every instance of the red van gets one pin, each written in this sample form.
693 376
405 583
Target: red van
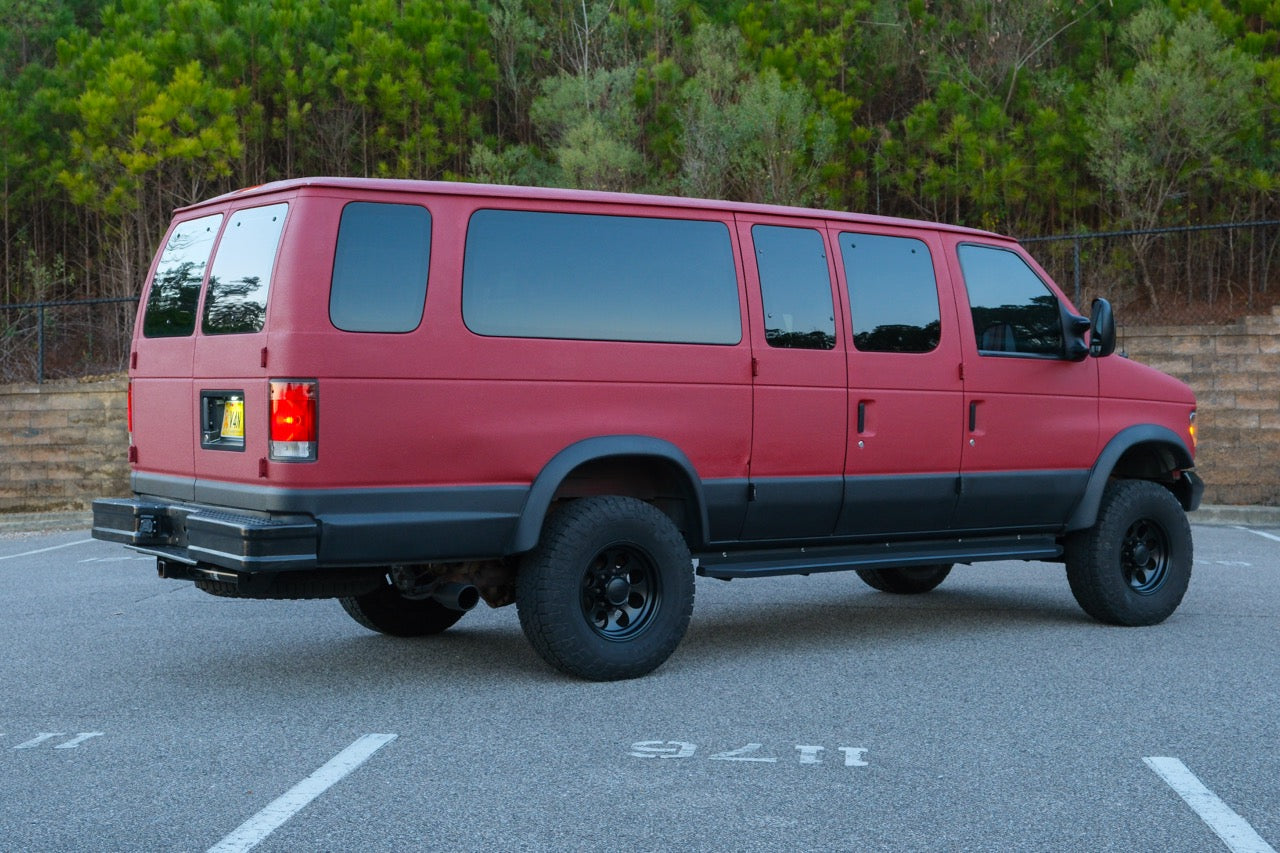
411 396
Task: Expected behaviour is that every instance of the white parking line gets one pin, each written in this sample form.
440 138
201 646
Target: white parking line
250 833
1262 533
43 550
1234 830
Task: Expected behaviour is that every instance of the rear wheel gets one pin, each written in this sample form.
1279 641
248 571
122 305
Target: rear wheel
608 592
905 581
387 611
1133 566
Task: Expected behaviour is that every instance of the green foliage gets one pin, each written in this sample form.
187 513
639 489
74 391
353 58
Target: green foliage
1027 117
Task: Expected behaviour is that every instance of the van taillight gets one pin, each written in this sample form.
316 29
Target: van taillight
293 420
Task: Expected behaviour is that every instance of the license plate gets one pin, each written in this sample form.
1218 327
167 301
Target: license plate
233 419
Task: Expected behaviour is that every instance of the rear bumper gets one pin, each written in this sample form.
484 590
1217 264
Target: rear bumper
263 530
192 534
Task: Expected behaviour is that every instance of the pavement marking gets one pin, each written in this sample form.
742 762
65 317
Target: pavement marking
43 550
1262 533
250 833
1234 830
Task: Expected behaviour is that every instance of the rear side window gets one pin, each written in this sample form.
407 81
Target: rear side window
1013 310
893 294
380 268
796 287
241 276
175 290
590 277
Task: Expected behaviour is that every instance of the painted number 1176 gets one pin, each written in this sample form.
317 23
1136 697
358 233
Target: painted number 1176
853 756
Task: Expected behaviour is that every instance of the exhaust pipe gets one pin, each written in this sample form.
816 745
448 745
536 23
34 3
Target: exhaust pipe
456 596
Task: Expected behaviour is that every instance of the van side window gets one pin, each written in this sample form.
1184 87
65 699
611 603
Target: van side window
175 290
241 275
1013 310
795 286
380 268
593 277
893 294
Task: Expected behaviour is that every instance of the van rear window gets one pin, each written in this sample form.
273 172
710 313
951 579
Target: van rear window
175 290
241 276
593 277
380 268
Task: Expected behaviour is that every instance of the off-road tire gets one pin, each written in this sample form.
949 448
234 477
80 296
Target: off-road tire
1133 566
386 611
911 580
608 592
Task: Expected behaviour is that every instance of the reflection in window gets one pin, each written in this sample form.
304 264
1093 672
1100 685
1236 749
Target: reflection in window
1013 310
380 268
175 289
241 275
593 277
795 286
893 295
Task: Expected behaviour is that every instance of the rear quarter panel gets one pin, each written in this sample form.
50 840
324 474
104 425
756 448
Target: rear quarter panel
443 406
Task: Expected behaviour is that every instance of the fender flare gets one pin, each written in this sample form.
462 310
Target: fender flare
1086 512
547 483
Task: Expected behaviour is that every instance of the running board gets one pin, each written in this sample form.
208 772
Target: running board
727 565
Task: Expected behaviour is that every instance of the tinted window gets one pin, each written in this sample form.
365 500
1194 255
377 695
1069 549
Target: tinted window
175 290
380 268
893 295
241 276
796 287
1013 310
560 275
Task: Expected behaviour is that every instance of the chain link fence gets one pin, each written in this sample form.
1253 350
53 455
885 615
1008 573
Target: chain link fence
65 338
1194 274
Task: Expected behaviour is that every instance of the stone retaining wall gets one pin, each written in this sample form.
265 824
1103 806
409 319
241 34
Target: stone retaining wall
62 444
1235 372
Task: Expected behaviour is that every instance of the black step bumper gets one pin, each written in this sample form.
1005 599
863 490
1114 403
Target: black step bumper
193 534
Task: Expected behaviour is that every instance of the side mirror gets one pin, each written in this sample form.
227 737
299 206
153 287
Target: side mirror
1074 327
1103 342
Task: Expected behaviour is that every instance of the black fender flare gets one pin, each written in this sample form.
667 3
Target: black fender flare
1086 512
547 483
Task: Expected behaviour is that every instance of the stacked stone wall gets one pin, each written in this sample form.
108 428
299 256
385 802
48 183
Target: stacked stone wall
62 444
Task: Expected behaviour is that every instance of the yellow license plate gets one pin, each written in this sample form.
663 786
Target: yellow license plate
233 419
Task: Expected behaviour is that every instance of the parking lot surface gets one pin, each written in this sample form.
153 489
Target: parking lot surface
798 714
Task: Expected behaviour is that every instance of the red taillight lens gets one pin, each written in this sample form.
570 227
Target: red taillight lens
294 426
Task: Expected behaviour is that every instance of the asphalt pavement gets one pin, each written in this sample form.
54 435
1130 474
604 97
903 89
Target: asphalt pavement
798 714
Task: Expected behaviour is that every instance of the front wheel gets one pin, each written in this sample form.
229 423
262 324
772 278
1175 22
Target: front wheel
1133 566
608 592
912 580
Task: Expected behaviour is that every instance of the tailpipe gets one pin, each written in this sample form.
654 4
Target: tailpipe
456 596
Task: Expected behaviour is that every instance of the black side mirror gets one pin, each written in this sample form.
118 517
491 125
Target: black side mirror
1074 326
1103 341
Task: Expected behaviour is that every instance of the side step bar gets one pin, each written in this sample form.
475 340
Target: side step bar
727 565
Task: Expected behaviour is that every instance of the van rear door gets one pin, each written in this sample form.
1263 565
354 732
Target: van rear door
229 400
163 350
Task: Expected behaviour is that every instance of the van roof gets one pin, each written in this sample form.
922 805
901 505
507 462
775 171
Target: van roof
413 187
